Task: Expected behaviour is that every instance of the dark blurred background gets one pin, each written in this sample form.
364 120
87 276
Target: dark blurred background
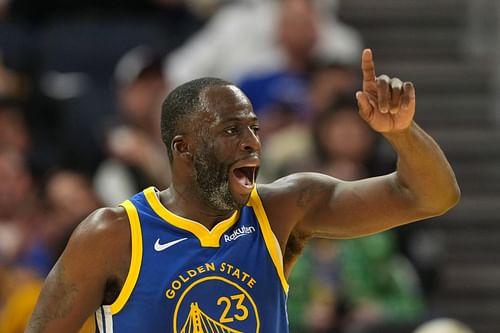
81 84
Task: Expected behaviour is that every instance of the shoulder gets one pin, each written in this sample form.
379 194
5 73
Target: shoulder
104 234
296 189
288 200
99 250
103 222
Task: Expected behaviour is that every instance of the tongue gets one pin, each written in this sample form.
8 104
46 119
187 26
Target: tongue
242 178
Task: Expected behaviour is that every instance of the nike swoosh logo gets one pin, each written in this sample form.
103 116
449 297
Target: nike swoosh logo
160 247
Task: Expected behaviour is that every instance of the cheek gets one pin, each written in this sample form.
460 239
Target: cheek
207 155
223 150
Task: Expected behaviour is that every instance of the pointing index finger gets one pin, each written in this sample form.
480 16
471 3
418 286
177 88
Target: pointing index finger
368 68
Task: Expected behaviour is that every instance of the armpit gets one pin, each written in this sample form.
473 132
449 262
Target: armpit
294 247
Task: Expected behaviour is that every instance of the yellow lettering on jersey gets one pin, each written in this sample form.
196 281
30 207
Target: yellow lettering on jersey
209 267
237 273
185 277
251 282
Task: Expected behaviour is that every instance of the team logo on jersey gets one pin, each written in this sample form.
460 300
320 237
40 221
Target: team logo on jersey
238 232
215 303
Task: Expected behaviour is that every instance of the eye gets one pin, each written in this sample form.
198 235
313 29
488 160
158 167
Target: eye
255 129
231 130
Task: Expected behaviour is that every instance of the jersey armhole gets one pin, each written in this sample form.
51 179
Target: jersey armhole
270 239
135 259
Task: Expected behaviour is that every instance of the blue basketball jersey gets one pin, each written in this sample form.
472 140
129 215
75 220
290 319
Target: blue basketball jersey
184 278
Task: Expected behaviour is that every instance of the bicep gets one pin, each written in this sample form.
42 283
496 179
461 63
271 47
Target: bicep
360 208
65 301
76 285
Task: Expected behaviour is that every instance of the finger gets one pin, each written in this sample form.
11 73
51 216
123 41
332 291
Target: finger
365 108
408 99
396 91
368 68
383 93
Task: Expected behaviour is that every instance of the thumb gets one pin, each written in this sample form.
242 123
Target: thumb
365 108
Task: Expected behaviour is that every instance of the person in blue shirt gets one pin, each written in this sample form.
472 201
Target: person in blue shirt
212 252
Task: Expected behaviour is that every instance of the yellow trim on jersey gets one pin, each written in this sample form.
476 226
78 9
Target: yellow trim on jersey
135 259
208 238
272 243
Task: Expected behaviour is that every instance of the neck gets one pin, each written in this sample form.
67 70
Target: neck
183 201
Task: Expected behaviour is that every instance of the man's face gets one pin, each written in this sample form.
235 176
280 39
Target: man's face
227 155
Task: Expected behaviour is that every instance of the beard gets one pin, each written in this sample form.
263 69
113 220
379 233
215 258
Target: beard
212 178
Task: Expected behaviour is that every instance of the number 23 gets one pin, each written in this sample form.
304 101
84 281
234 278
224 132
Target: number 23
240 298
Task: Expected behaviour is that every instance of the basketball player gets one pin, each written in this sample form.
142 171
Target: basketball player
212 252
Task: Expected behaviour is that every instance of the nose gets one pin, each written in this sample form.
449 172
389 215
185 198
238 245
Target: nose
250 141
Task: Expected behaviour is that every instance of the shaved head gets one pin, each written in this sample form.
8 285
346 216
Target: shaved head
182 102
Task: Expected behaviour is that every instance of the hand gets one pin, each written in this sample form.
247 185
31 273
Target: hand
387 105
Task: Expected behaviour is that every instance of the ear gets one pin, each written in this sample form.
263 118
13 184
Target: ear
180 147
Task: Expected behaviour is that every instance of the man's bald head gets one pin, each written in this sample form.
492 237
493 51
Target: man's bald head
181 102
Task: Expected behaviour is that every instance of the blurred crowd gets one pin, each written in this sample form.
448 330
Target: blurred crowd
81 86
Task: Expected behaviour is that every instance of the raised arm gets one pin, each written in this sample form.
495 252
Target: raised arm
423 185
86 275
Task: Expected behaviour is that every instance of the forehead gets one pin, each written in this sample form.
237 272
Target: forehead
224 102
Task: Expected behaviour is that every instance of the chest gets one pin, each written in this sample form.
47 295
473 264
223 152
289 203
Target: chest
175 260
232 286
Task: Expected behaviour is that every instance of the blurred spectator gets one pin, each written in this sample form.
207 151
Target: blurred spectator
69 198
300 292
18 204
241 39
346 147
16 188
379 285
353 286
28 123
136 154
19 216
13 131
314 302
19 307
328 83
21 302
279 97
23 286
443 325
340 144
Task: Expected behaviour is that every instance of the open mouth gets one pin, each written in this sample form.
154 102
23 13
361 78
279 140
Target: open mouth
245 176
